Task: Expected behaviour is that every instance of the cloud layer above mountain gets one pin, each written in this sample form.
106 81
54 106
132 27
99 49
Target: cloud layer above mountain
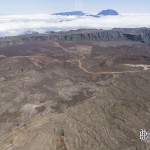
20 24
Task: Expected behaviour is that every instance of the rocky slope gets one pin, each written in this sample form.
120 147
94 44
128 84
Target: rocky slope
74 94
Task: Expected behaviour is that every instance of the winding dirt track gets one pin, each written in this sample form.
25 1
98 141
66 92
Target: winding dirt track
84 69
103 72
80 65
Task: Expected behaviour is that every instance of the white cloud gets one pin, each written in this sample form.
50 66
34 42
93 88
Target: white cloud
19 24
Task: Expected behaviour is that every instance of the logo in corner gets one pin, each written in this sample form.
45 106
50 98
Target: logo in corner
144 135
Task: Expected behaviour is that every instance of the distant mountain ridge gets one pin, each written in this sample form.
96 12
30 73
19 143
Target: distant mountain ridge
106 12
71 13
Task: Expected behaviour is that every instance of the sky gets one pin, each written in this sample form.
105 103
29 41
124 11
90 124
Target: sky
50 6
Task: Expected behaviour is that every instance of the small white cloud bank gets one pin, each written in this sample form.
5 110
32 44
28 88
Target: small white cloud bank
11 25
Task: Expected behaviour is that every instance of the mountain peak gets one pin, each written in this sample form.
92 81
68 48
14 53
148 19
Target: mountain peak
108 12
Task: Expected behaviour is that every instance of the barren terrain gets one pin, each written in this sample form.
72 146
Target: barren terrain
60 94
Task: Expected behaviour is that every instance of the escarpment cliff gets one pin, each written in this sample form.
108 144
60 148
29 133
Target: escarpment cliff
141 35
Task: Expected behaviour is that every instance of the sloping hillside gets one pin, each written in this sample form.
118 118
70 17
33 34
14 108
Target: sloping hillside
74 95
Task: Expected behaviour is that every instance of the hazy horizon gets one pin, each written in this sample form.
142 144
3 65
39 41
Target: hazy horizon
49 6
21 17
23 24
